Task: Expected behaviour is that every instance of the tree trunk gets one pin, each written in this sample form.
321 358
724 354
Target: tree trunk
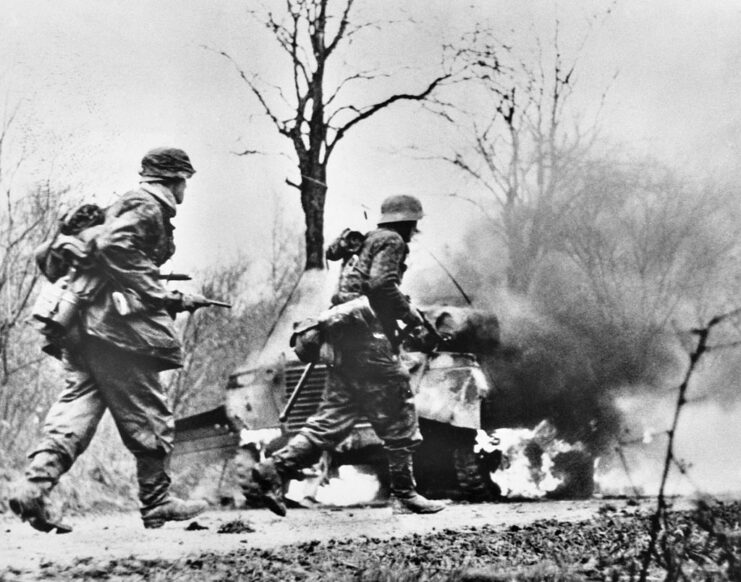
313 195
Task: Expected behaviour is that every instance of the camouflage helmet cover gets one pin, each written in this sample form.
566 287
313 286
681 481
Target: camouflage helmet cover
400 208
165 162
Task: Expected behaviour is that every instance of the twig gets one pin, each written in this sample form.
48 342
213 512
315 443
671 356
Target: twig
661 508
624 462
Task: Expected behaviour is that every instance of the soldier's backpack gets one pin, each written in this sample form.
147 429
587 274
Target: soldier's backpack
57 256
57 304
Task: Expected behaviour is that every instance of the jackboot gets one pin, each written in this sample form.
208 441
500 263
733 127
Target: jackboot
271 484
173 509
157 505
29 499
404 488
273 474
298 454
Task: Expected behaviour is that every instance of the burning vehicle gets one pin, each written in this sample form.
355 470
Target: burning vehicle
464 455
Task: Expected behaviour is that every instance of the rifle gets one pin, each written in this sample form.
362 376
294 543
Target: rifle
296 391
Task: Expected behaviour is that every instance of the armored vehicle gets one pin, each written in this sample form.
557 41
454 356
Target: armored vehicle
454 396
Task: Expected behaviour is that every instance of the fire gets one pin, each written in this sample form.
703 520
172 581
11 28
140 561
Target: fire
351 486
527 468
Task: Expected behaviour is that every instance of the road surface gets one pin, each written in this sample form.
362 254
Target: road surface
120 535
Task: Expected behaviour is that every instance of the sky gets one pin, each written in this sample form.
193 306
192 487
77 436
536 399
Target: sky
99 83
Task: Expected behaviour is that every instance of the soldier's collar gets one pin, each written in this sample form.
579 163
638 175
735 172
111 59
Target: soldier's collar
162 194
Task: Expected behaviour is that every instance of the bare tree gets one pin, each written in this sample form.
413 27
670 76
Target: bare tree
518 146
649 241
28 216
310 33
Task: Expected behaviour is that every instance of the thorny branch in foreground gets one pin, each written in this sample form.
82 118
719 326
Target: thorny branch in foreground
658 519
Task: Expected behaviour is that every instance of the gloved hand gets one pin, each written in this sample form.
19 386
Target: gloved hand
413 319
420 339
177 301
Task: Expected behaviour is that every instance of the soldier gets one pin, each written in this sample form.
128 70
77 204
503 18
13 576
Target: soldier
367 377
113 356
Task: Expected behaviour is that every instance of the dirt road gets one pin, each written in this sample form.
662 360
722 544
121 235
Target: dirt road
119 536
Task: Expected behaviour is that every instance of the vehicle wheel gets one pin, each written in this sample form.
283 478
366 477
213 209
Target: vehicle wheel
446 466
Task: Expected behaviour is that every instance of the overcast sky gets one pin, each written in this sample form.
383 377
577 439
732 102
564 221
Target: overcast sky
102 82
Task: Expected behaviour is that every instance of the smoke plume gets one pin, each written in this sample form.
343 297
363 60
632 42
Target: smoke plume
576 349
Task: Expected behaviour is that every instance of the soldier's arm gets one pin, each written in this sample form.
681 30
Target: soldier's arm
384 293
119 250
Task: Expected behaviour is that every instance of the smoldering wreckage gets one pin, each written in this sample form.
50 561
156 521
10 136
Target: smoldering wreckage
467 454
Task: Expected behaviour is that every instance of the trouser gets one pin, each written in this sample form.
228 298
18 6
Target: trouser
370 383
102 376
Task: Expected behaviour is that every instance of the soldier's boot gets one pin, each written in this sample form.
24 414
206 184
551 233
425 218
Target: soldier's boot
173 509
271 485
272 474
157 505
29 498
404 488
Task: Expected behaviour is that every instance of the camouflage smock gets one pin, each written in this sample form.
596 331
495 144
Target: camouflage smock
376 271
128 248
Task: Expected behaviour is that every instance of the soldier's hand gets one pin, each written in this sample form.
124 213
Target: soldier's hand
413 319
173 303
420 339
177 301
191 302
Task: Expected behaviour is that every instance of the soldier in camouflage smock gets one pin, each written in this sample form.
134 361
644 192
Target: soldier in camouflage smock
113 358
367 378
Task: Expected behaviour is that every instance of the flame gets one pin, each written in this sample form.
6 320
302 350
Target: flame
351 486
528 467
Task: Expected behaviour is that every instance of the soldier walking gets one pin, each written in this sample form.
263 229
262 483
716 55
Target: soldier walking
113 354
367 378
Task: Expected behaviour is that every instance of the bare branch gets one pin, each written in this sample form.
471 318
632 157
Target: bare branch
373 109
332 45
367 75
280 126
248 153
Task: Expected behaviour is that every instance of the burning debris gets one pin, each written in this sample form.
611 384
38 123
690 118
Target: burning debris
536 464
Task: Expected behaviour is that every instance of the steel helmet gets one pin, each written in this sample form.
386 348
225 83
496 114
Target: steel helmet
400 208
166 163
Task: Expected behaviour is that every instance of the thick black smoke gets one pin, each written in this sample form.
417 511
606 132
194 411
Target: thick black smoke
564 354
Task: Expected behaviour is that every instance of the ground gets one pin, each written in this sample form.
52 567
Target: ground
264 546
